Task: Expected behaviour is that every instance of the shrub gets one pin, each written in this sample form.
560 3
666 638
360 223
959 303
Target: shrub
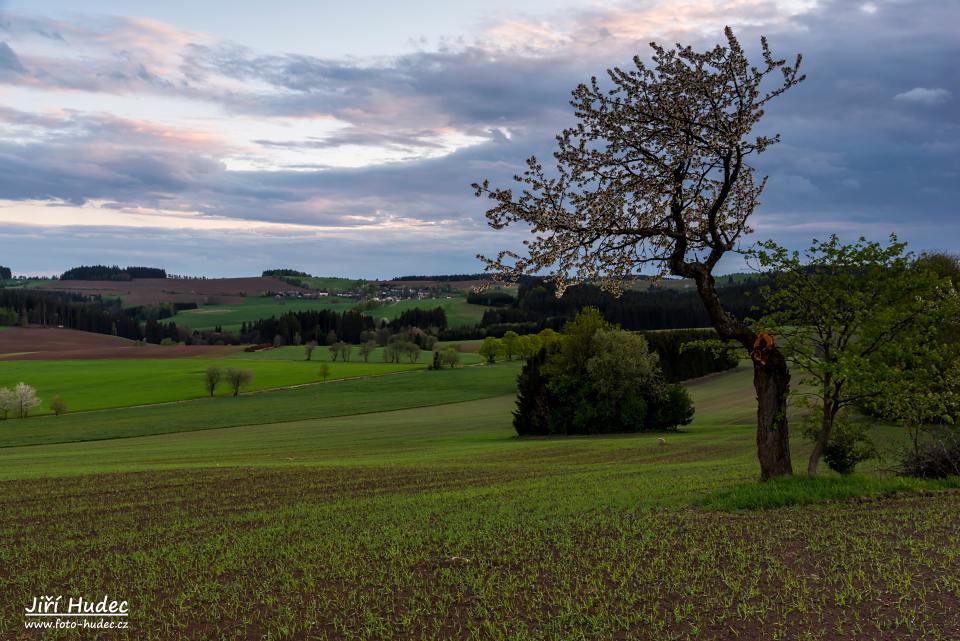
58 405
597 379
673 409
937 458
848 446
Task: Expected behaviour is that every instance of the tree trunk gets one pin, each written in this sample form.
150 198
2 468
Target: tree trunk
771 379
820 444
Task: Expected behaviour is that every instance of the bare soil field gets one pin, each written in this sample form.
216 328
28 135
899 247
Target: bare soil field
51 343
211 291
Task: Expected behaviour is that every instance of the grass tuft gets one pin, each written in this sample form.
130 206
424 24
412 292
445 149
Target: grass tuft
804 490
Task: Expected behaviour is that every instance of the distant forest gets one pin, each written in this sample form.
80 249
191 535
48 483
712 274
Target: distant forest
5 273
537 307
444 278
103 272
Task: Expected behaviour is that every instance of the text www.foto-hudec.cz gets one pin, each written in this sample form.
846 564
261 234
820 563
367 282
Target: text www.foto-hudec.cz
55 612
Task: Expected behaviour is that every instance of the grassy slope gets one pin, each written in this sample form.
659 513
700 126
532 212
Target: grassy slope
459 312
98 384
439 523
339 398
321 353
230 317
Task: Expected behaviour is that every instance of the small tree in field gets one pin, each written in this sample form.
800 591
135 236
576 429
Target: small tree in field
450 356
490 348
58 406
308 349
324 371
25 399
211 378
366 348
237 379
848 318
656 171
8 402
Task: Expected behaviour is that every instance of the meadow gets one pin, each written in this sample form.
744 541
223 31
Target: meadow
102 383
253 308
231 317
432 520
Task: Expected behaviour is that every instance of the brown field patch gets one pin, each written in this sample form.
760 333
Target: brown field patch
54 343
210 291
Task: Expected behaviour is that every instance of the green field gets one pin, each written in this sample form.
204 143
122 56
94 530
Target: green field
330 284
231 317
97 384
459 312
436 522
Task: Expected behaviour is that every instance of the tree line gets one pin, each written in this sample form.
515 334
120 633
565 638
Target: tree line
113 272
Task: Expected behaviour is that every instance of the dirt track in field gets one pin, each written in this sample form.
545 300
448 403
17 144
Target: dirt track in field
52 343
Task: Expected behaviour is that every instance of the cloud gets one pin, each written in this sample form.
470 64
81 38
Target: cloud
923 96
9 62
366 148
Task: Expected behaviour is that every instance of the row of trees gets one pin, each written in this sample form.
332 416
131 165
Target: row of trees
297 328
21 399
113 272
682 354
234 378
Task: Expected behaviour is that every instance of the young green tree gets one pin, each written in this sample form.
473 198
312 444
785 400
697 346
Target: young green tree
308 349
324 371
511 344
490 348
657 171
848 318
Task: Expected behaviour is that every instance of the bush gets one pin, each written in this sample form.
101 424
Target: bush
58 405
695 360
597 379
673 409
936 458
848 446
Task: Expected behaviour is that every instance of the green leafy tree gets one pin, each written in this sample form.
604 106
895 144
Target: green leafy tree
490 348
511 344
850 318
657 171
530 344
308 349
324 371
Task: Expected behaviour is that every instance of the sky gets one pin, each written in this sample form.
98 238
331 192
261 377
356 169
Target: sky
224 138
